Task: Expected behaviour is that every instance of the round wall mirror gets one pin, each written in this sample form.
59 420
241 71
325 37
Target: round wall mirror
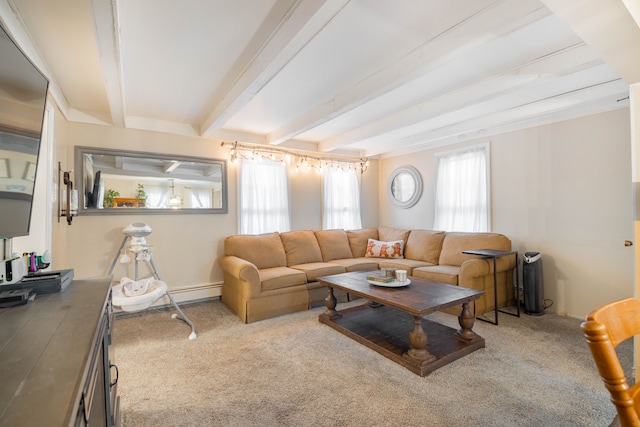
405 186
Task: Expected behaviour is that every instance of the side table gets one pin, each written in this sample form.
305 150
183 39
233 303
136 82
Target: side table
493 253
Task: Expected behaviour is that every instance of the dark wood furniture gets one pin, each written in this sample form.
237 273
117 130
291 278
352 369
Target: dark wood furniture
55 365
493 253
393 324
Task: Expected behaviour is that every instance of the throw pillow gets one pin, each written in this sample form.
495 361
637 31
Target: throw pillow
378 249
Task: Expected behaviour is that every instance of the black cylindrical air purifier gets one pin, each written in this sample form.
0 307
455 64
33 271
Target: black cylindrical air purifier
532 284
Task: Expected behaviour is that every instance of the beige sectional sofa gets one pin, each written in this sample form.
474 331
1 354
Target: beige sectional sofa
272 274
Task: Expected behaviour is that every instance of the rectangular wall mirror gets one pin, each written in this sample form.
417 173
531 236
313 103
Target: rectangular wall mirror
124 182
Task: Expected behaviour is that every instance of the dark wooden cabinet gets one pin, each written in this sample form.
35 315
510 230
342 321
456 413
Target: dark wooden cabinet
55 359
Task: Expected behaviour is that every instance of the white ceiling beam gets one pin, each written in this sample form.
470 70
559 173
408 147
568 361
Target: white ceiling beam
566 61
107 31
169 167
558 107
608 27
486 26
483 134
144 123
301 24
509 101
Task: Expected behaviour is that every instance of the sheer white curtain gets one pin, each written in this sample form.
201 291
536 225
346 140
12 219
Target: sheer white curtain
156 196
264 197
341 199
200 198
462 190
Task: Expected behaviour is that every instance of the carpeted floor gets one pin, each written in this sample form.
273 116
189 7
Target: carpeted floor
294 371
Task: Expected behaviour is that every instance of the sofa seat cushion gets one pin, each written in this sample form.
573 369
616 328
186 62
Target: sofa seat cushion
313 270
439 273
263 250
358 240
403 264
334 244
280 277
357 264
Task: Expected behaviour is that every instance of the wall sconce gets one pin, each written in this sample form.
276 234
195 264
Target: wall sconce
68 197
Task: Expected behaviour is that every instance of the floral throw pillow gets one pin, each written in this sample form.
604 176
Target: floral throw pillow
378 249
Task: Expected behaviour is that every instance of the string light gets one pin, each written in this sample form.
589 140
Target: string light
251 152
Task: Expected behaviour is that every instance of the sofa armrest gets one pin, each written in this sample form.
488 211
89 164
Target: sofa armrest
241 275
476 268
483 266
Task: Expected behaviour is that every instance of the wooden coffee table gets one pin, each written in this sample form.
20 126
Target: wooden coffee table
393 325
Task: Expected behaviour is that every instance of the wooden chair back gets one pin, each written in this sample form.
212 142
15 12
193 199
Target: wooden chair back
605 328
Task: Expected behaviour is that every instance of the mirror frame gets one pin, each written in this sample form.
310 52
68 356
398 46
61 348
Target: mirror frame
417 179
80 151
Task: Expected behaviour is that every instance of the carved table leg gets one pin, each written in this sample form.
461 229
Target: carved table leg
418 340
331 302
466 320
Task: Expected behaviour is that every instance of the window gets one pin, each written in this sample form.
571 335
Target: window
156 196
264 197
200 197
341 199
462 190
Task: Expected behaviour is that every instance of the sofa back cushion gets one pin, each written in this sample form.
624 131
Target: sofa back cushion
424 245
388 234
334 244
454 243
263 250
301 247
358 240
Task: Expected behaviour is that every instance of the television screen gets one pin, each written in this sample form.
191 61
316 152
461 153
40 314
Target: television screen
23 94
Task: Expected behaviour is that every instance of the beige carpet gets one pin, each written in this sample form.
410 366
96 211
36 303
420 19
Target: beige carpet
294 371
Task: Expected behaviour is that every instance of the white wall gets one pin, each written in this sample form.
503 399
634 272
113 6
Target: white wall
563 190
186 247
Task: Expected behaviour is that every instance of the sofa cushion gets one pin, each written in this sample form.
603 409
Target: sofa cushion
301 247
334 244
313 270
357 264
280 277
358 240
439 273
378 249
388 234
424 245
456 242
263 250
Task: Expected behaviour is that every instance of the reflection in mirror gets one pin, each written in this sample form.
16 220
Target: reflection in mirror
405 186
118 181
23 92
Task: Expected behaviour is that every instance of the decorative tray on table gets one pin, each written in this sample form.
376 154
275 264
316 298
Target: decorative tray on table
387 282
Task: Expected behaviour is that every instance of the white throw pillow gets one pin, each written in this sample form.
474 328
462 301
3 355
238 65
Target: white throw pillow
378 249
